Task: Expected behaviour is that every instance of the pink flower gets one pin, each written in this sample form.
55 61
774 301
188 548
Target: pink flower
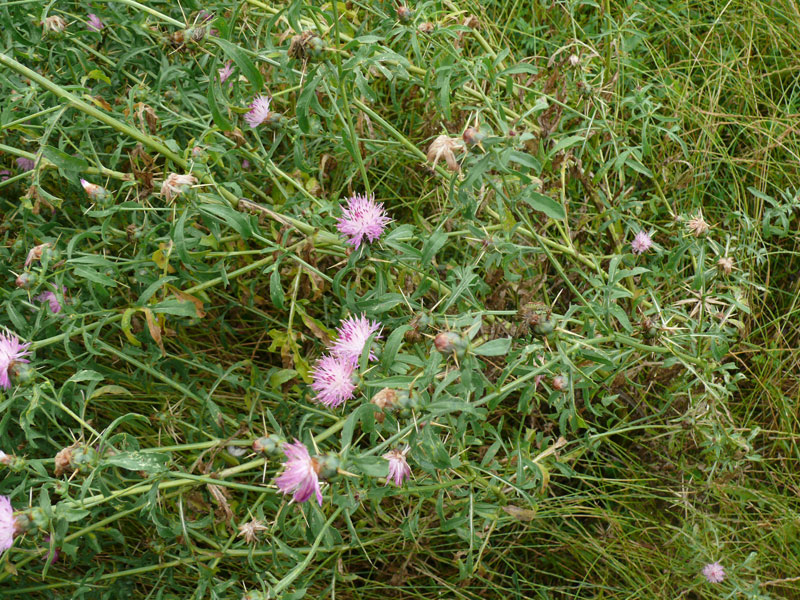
641 243
26 164
226 72
399 470
94 23
11 351
246 164
333 381
714 572
4 174
299 477
259 111
6 524
52 300
363 218
353 334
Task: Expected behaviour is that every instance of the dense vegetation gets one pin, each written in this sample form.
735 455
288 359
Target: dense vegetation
573 314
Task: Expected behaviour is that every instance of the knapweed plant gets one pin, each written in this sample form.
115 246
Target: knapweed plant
361 300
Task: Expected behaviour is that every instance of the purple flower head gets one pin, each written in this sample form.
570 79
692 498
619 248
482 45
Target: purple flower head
4 174
204 16
399 470
299 477
333 381
259 111
714 572
641 243
226 72
11 351
6 524
353 334
363 218
26 164
94 23
52 300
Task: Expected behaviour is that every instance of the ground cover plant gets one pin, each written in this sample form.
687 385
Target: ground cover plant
362 300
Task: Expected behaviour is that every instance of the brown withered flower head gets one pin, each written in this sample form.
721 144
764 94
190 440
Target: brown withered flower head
725 264
444 147
697 225
249 531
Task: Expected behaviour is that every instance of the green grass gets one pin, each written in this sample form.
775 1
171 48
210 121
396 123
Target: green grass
189 327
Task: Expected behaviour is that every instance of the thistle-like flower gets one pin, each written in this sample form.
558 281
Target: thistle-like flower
352 335
12 351
697 226
642 242
7 524
300 475
55 24
333 381
259 111
94 23
399 470
363 218
226 72
26 164
445 147
175 185
714 572
250 530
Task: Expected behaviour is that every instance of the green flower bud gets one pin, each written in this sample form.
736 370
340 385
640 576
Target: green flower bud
327 465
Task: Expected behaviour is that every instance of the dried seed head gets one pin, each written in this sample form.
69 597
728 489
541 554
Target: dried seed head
725 264
54 24
472 22
249 531
574 60
560 383
64 460
697 226
385 399
445 147
175 185
426 27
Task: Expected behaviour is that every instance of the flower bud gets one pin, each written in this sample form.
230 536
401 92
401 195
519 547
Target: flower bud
26 280
472 136
95 192
21 373
315 46
327 466
405 14
271 445
450 342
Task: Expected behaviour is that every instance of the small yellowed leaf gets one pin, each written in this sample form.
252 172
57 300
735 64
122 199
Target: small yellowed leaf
155 330
521 514
126 326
